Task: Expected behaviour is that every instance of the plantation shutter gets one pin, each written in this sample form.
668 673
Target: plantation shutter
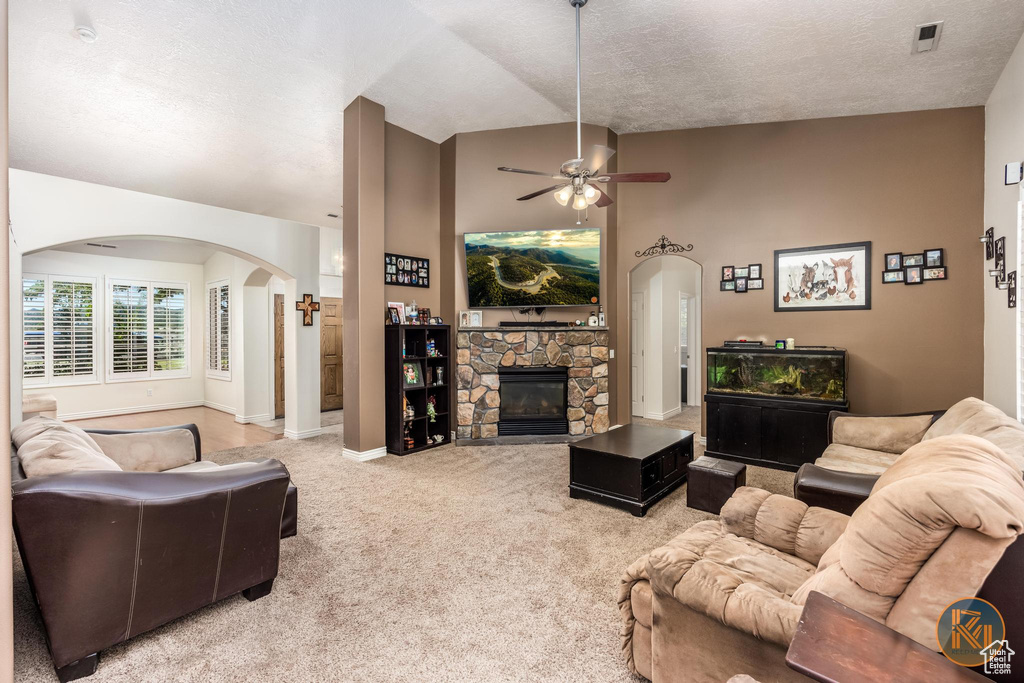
169 329
33 311
72 328
218 330
129 319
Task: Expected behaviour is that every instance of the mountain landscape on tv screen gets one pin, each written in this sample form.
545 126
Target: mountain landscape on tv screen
540 268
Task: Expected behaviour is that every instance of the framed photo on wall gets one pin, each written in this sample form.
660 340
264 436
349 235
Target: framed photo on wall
833 277
406 271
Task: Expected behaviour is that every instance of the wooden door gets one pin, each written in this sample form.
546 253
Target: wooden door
637 325
331 388
279 355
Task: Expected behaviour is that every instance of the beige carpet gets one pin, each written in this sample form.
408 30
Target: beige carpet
457 564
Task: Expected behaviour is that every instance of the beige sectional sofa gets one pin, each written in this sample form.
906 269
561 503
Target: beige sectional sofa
724 597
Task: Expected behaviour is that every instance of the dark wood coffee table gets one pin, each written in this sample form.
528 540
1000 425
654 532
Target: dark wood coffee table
632 467
834 643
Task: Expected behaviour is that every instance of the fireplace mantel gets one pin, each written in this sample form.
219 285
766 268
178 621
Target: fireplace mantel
483 351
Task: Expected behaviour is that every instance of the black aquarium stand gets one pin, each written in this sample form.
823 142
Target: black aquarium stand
414 340
781 433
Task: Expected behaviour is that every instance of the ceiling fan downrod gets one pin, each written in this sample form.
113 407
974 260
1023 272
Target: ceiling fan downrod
579 82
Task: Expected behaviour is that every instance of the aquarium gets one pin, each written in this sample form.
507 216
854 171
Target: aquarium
813 373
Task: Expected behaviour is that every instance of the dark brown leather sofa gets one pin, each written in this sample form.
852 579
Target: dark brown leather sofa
110 555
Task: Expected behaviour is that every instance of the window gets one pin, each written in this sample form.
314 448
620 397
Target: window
218 330
59 330
147 330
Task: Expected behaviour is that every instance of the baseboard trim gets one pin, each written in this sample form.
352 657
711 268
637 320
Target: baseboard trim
363 456
666 415
219 406
248 419
84 415
305 434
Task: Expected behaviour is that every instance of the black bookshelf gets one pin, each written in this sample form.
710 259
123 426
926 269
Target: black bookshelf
410 344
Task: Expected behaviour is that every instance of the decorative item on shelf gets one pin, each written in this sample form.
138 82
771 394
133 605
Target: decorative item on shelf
664 246
436 321
393 317
470 319
835 277
438 438
439 376
592 320
413 373
988 240
1011 289
307 306
412 313
790 343
400 308
431 347
428 374
579 323
600 316
432 408
406 271
780 343
409 442
423 314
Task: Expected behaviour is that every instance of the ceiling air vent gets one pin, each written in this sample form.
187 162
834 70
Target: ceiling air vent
926 37
105 246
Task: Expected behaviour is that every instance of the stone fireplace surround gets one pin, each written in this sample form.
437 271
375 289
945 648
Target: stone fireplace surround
482 351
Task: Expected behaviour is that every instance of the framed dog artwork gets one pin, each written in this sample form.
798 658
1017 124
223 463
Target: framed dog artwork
834 277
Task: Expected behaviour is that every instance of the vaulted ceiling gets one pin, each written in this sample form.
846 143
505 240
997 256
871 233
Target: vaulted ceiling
238 103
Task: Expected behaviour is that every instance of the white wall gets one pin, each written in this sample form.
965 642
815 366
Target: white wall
662 281
109 398
47 211
1004 143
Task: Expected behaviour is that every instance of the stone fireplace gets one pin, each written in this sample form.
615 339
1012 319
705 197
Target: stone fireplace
487 357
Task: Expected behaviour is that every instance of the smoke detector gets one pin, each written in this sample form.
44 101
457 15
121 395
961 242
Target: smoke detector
86 33
926 37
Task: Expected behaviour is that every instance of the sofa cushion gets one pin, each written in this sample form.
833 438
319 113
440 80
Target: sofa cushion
888 434
47 446
739 582
852 459
977 418
149 451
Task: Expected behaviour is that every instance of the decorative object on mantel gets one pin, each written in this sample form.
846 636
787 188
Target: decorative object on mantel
741 278
406 271
1011 289
1014 172
664 246
834 277
576 176
471 319
307 306
987 239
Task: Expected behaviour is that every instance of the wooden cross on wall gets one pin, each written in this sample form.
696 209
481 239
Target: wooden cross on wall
307 306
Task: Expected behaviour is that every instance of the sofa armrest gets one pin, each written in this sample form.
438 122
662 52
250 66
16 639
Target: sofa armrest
110 555
129 447
832 489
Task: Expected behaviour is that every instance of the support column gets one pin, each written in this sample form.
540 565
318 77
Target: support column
363 253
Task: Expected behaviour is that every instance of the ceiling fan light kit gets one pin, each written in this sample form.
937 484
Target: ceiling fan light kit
577 175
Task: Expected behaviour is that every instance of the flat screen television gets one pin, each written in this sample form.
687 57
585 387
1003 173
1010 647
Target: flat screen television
533 268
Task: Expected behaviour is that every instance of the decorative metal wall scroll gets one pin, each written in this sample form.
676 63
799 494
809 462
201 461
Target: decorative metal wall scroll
664 246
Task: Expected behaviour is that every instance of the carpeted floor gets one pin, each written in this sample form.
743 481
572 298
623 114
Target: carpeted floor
456 564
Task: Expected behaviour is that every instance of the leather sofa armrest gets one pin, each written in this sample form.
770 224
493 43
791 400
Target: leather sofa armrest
112 554
832 489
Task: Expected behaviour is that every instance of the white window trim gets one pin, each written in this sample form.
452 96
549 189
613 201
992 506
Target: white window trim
222 375
48 379
149 374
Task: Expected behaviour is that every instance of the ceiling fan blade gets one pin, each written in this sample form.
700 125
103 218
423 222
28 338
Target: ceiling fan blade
598 157
519 170
604 201
540 192
655 177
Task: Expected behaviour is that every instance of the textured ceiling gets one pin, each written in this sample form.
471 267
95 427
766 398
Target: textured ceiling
238 103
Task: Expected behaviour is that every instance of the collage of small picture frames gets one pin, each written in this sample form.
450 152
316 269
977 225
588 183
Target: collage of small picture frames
914 269
741 278
406 271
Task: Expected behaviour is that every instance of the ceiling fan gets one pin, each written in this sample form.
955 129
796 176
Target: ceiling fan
577 175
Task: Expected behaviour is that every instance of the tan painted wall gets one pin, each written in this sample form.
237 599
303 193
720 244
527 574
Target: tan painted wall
6 541
906 182
412 210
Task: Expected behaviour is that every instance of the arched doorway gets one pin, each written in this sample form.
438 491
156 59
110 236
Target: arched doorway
664 339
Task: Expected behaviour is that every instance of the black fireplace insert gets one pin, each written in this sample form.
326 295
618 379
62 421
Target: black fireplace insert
533 401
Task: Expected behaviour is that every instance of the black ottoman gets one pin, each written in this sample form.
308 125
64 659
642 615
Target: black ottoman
712 481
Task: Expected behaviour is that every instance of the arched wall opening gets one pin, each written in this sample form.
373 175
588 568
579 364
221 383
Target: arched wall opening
664 341
48 212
